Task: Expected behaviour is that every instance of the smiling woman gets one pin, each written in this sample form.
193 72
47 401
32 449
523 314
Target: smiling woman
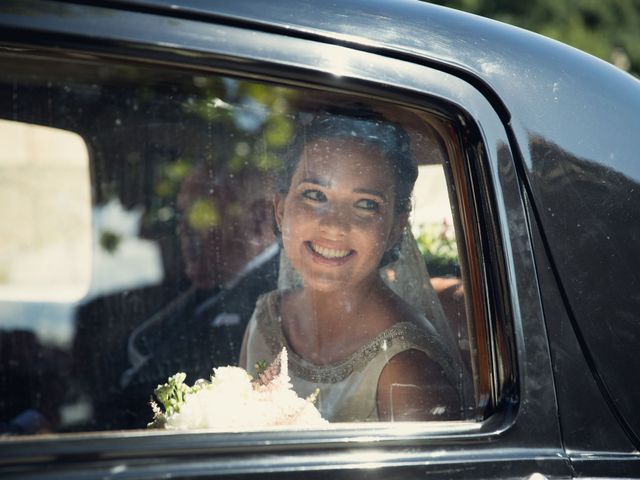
343 204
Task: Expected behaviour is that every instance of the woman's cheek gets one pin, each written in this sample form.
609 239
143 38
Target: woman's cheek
374 224
294 219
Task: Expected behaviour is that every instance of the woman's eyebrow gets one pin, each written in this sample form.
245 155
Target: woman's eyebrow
316 181
369 191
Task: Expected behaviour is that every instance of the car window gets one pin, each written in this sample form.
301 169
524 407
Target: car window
161 222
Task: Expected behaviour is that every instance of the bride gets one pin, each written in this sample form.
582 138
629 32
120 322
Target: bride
354 329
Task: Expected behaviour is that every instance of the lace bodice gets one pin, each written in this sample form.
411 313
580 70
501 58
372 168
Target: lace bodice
348 388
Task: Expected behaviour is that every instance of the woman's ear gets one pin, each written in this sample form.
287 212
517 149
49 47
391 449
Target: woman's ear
278 210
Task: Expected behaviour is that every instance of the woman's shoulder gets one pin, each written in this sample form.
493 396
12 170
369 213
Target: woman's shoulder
399 315
397 327
416 356
267 303
262 337
268 297
414 386
409 329
277 297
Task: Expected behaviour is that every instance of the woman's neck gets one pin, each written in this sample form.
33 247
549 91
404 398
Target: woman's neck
336 306
325 327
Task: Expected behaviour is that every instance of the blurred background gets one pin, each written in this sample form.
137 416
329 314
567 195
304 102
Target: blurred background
608 29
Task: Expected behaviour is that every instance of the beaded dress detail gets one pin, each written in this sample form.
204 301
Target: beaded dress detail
348 388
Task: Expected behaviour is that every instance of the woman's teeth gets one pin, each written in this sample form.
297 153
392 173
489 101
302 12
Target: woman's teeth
329 252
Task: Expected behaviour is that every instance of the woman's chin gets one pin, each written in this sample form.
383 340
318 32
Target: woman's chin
324 285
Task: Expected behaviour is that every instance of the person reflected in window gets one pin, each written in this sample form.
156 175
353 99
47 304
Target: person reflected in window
230 257
341 208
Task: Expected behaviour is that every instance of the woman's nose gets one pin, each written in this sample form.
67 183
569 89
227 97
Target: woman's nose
335 221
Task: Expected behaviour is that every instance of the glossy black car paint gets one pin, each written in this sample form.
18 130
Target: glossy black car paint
559 129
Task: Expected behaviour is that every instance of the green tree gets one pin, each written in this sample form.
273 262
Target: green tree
607 29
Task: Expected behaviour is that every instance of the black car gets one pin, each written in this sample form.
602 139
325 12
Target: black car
141 145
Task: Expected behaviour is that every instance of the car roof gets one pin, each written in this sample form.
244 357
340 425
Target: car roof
526 71
410 28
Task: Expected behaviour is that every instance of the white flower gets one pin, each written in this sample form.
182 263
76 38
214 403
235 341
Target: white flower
234 401
233 380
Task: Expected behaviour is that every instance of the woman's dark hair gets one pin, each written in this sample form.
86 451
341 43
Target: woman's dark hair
368 128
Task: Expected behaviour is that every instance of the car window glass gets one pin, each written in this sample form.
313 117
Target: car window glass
217 220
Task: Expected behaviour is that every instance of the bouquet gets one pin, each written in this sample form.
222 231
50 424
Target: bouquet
232 400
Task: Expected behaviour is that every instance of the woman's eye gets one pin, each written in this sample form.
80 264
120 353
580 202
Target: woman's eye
367 204
314 195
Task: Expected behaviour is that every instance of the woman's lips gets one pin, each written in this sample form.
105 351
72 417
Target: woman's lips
328 255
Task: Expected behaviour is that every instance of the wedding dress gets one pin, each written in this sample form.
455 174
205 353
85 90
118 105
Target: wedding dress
348 389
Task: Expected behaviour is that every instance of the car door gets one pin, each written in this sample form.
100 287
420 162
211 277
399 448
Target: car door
512 430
